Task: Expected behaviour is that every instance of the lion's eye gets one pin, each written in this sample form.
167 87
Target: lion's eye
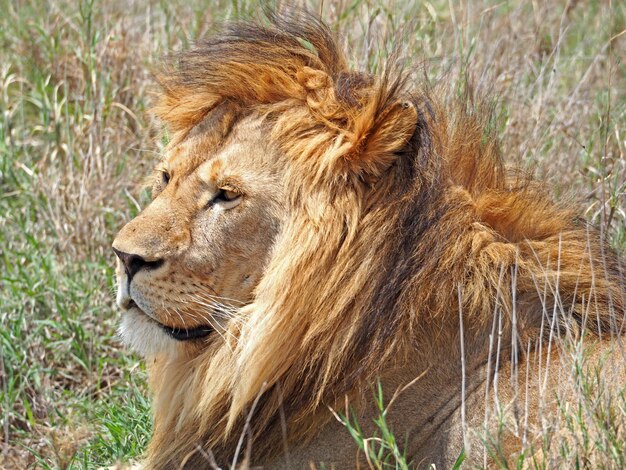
161 179
226 198
226 195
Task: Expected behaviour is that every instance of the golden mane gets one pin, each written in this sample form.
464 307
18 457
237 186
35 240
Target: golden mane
400 213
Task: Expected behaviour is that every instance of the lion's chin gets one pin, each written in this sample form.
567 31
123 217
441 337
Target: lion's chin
145 336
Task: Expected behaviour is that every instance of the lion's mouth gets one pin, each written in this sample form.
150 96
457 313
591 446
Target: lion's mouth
185 334
180 334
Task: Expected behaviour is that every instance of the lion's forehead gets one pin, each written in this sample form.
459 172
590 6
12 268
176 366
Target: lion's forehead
209 158
246 158
186 157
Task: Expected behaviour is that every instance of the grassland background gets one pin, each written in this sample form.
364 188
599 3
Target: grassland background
76 140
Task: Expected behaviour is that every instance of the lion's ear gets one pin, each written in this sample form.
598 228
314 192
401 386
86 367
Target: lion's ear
378 133
371 122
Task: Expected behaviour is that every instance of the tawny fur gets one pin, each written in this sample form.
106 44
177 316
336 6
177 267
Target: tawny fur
398 213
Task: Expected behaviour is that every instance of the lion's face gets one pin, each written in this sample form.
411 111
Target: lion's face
195 254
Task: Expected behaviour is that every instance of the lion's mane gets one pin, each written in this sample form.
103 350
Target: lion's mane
400 213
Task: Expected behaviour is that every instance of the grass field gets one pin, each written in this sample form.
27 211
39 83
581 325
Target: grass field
76 140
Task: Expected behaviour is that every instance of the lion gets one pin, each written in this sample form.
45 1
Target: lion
314 230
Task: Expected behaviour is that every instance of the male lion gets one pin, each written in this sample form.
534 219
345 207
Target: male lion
315 229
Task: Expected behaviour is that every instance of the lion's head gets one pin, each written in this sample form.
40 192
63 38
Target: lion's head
196 253
313 227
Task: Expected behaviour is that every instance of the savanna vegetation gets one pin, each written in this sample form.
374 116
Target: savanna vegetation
77 140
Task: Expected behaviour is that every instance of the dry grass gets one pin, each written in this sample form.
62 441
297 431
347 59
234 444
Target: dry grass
76 140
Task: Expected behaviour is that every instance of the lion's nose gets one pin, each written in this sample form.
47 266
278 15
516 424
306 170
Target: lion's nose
134 263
